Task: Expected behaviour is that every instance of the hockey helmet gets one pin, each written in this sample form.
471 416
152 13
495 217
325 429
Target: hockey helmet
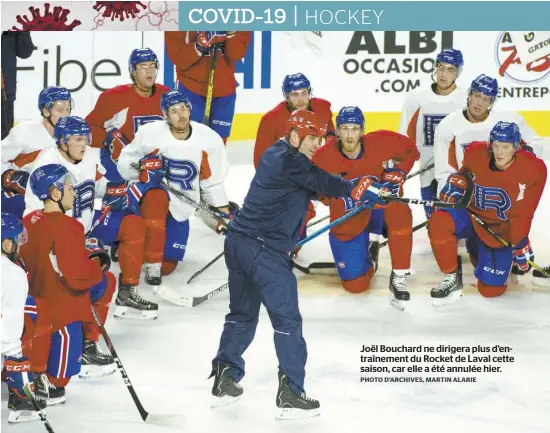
295 82
352 115
141 55
507 132
49 95
68 126
43 178
13 228
306 123
171 98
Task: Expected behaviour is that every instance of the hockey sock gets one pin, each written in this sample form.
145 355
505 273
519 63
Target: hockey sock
443 241
131 237
154 210
91 330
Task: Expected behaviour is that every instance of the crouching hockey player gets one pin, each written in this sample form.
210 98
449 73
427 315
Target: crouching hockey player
509 182
15 288
258 247
191 159
359 155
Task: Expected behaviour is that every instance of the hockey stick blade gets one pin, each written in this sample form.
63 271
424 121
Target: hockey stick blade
188 301
165 419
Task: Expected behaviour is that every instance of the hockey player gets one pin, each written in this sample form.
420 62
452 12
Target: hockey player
191 158
509 182
425 108
474 123
359 155
120 111
14 294
257 252
192 53
25 141
65 280
297 94
72 136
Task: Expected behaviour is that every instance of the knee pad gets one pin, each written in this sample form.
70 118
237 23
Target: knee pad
168 266
359 284
490 291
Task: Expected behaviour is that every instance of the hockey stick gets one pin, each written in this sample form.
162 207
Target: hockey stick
189 301
162 419
327 265
503 242
99 219
210 263
210 90
42 415
422 170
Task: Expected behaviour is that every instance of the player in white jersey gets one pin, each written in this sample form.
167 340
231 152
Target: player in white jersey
191 158
425 108
21 147
15 288
474 123
73 152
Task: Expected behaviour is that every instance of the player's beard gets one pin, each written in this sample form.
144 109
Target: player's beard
349 145
181 127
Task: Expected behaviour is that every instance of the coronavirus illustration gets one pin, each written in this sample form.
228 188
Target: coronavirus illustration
50 21
119 10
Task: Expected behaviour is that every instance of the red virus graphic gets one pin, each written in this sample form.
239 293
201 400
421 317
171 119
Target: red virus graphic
50 21
119 10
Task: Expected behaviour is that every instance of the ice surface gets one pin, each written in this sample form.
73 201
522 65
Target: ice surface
168 360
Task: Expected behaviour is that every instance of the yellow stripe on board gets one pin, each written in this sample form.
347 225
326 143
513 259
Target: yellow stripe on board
245 125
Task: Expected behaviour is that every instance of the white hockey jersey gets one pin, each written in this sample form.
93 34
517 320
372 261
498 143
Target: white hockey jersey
90 183
15 288
22 145
422 112
456 132
197 166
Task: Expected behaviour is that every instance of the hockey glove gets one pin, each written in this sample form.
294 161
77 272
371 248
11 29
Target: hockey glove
115 142
454 189
15 181
18 374
116 196
205 42
367 190
393 179
151 169
97 291
233 210
522 253
98 253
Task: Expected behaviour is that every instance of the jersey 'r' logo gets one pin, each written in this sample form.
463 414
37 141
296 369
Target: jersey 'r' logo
142 120
493 198
181 172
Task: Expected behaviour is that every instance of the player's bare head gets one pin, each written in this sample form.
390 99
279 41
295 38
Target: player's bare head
14 235
305 132
504 142
350 125
176 108
55 102
72 135
297 91
54 185
143 66
482 96
448 65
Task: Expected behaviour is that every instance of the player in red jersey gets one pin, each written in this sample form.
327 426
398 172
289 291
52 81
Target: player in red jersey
356 155
120 111
297 94
509 182
65 279
192 54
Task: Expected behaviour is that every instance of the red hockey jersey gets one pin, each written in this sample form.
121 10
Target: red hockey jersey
379 147
273 124
121 107
60 272
505 200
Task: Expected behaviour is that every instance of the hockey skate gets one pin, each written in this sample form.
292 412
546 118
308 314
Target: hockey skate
374 250
225 389
153 275
130 305
539 279
47 392
114 252
450 289
291 405
398 289
22 410
95 363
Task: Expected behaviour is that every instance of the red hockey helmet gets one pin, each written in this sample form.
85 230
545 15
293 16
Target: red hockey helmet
306 123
